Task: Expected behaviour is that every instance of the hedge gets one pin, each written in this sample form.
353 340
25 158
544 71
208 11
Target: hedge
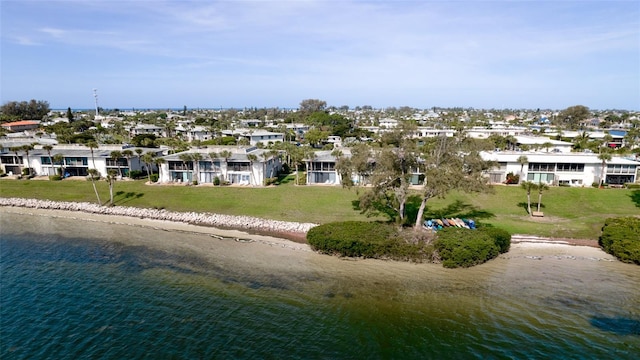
621 238
365 239
460 247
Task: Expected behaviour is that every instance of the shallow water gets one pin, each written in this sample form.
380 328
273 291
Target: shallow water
78 289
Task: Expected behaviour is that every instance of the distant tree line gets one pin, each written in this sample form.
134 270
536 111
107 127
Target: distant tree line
24 110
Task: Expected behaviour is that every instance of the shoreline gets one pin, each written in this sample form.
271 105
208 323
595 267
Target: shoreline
240 227
255 245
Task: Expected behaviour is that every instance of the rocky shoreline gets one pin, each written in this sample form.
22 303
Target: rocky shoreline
247 223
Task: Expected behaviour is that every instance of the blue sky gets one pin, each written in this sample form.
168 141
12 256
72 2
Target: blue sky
210 54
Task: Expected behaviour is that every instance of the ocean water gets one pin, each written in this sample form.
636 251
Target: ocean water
72 289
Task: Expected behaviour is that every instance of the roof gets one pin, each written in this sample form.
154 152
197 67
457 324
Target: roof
21 123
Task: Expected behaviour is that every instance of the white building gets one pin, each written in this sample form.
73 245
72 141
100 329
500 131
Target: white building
573 169
246 165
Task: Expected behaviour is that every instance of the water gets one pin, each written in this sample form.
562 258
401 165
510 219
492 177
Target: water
74 289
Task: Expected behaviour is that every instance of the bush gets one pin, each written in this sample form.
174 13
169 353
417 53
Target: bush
621 238
365 239
216 181
270 181
512 178
136 174
460 247
55 177
501 238
154 177
632 186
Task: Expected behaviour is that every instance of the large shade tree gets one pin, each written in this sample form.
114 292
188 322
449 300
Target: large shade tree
451 163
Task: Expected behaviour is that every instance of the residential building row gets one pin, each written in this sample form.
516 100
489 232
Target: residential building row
252 166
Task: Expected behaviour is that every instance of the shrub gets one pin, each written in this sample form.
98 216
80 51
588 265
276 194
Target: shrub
365 239
136 174
55 177
621 238
632 186
512 178
465 248
195 182
501 238
216 181
154 177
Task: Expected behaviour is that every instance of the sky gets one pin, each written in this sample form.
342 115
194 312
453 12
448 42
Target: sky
222 54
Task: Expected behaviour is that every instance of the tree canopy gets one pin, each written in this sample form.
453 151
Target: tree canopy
23 110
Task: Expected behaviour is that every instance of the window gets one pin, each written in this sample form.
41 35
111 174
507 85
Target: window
570 167
548 167
323 166
540 177
621 169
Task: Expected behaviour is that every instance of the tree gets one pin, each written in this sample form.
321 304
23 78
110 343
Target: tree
252 159
93 175
15 150
572 116
115 155
32 110
128 154
158 161
59 159
48 149
309 106
69 115
196 158
111 179
522 160
226 155
148 159
605 156
541 187
529 186
26 149
451 163
391 177
92 145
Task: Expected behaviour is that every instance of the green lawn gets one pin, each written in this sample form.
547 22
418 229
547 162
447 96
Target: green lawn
569 212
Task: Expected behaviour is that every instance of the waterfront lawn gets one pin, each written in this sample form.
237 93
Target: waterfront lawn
568 212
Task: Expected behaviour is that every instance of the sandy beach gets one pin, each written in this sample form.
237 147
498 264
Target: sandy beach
536 248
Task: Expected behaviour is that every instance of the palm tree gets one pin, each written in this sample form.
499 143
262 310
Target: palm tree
252 158
48 149
15 150
93 145
541 187
148 159
26 149
522 160
212 157
226 154
115 155
196 157
528 186
185 157
157 161
95 174
59 159
605 156
128 154
111 179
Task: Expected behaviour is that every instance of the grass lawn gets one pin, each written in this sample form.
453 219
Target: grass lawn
568 212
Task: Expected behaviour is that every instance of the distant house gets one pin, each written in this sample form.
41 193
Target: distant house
23 125
255 136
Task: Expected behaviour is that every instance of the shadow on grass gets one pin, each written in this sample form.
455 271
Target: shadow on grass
122 197
534 206
459 209
635 197
617 325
